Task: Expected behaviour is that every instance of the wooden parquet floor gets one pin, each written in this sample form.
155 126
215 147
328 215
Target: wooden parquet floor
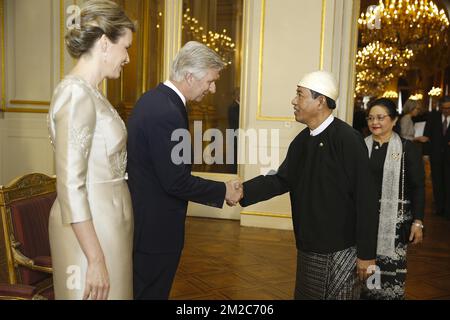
224 261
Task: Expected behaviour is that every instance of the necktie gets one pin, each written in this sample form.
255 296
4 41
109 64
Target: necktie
444 126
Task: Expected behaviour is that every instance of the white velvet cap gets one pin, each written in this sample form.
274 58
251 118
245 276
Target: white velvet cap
322 82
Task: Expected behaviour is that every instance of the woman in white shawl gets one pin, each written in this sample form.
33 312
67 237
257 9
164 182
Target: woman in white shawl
397 169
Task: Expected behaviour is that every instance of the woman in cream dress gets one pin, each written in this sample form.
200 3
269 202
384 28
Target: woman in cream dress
91 223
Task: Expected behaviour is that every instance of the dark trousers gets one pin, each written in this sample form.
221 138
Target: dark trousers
153 275
440 174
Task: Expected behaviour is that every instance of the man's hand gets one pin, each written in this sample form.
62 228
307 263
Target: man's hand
235 192
361 268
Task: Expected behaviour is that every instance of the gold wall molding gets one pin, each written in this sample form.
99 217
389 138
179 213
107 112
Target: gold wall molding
259 115
30 102
214 176
352 66
244 76
322 33
62 15
25 110
3 106
266 214
2 61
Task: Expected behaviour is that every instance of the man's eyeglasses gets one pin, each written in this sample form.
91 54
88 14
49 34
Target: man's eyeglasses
379 117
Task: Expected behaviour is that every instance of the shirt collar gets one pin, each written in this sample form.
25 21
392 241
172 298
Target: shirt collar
322 127
169 84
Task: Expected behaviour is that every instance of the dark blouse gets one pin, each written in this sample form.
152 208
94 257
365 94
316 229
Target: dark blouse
414 175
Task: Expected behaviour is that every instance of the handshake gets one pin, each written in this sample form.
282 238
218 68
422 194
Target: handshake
235 192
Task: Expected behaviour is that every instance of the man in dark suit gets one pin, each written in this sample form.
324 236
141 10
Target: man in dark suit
160 179
437 131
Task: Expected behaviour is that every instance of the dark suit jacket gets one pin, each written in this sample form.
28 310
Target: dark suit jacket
439 148
160 190
233 115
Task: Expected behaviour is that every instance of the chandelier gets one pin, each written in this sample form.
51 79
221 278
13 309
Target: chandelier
406 24
219 42
435 92
372 82
390 94
416 97
394 33
379 55
377 65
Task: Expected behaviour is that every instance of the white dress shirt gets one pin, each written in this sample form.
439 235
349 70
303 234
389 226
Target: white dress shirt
169 84
448 120
322 127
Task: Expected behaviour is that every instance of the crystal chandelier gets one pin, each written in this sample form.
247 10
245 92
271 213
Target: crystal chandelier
377 64
390 94
395 33
379 55
219 42
406 24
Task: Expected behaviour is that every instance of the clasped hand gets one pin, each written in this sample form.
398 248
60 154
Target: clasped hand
235 192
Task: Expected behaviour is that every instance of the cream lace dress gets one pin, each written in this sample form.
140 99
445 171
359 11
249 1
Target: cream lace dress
89 140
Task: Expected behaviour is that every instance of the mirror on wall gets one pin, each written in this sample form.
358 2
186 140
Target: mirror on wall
217 24
145 70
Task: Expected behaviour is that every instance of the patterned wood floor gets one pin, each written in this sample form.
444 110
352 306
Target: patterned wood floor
223 260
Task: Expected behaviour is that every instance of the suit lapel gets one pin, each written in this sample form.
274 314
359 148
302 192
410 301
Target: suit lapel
175 98
447 134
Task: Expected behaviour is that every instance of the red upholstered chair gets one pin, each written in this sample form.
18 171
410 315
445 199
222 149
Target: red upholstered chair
25 259
19 292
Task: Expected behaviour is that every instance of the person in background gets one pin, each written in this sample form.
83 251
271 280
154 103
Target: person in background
411 109
359 121
437 131
233 123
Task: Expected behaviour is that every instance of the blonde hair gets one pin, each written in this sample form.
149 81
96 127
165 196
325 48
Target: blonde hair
97 18
195 58
410 105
